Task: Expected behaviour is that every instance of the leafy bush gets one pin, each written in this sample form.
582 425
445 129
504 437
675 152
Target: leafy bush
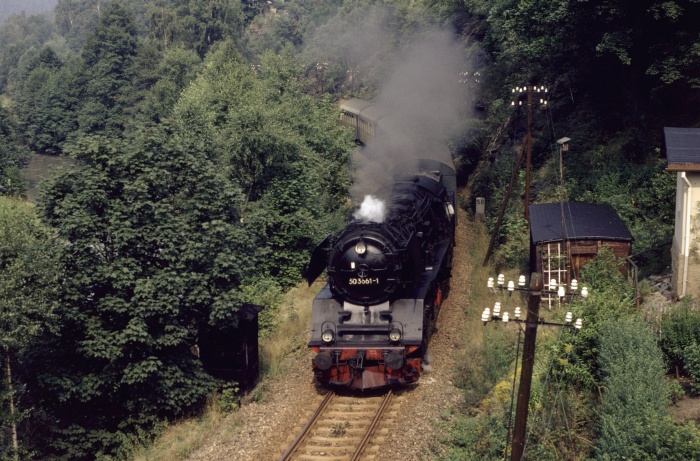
634 423
691 361
679 330
611 298
512 252
229 397
676 391
264 292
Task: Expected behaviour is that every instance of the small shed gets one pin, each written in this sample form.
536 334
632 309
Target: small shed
565 236
231 354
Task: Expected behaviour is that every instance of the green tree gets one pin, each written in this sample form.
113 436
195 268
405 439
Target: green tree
18 35
281 147
47 102
199 25
76 20
167 79
27 282
108 57
13 156
152 253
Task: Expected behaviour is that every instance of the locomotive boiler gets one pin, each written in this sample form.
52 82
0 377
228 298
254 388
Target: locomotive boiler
388 272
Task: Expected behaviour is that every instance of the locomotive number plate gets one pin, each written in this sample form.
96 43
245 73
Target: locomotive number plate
366 281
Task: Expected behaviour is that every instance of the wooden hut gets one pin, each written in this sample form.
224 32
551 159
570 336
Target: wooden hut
565 236
232 354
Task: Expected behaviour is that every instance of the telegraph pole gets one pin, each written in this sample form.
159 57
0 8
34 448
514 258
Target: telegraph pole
527 147
529 155
528 91
532 321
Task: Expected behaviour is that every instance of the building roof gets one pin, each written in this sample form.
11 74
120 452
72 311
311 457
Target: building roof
248 311
682 148
581 221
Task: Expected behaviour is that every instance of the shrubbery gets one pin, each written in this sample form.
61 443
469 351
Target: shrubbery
680 329
634 421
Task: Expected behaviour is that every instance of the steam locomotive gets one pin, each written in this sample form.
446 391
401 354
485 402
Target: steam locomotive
388 272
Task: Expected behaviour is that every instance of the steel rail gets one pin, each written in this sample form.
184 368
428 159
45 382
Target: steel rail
292 448
370 430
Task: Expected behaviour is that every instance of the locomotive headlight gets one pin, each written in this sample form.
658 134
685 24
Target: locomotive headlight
360 248
395 335
327 336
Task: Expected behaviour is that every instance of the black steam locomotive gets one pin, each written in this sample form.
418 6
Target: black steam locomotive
388 273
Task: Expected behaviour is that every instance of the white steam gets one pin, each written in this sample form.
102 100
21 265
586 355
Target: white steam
427 103
418 81
371 210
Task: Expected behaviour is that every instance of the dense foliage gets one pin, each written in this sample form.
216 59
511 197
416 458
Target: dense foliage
28 275
13 156
290 168
634 420
210 164
151 255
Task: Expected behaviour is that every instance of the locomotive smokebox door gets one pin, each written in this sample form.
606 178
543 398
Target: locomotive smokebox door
231 354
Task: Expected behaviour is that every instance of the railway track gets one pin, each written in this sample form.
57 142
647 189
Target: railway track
345 428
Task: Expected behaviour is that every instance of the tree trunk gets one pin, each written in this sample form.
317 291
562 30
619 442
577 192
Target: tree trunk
10 391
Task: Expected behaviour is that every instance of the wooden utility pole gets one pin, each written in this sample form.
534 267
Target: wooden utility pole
532 320
529 90
528 142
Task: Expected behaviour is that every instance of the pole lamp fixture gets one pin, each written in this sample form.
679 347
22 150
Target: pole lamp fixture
563 144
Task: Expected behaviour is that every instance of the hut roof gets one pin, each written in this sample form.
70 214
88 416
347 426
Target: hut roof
580 221
682 148
248 311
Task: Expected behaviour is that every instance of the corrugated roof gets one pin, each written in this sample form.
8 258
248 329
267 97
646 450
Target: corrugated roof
682 145
581 221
